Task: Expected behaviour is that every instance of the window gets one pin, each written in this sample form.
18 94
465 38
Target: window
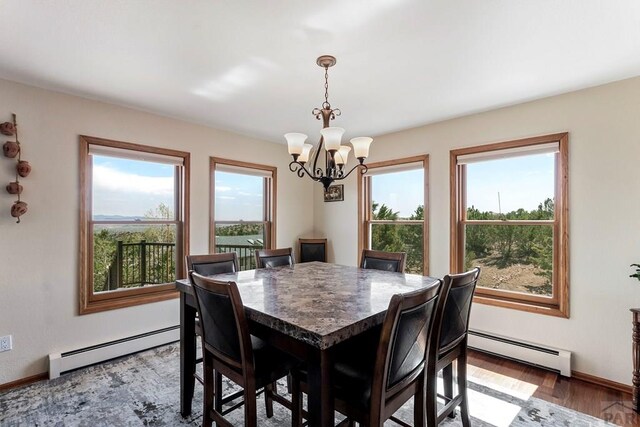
393 210
243 202
134 231
509 216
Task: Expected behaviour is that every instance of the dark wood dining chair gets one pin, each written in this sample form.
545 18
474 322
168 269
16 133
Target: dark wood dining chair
210 264
374 378
312 250
453 347
380 260
230 350
270 258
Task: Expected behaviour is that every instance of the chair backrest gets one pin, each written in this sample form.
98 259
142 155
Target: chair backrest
208 265
410 325
313 250
379 260
225 331
269 258
455 321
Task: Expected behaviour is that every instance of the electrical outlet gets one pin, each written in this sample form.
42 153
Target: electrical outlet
5 343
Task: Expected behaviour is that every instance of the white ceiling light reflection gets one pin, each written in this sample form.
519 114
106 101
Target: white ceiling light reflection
235 79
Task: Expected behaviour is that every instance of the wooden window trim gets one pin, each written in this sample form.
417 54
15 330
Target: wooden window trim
558 304
93 303
270 202
364 201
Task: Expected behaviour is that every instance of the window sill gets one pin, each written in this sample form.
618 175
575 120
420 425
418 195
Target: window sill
96 306
548 310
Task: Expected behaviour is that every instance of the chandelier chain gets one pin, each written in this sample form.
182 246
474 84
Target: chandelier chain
326 104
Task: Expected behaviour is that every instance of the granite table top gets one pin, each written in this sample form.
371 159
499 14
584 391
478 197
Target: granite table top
319 303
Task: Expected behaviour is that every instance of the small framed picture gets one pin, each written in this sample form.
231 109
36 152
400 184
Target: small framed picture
335 193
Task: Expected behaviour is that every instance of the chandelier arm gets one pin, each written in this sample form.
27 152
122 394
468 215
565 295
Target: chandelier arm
317 154
363 169
299 168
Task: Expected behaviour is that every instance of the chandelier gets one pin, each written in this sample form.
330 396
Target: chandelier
336 155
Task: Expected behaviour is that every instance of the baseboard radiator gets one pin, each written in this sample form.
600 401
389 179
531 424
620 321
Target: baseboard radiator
62 362
534 354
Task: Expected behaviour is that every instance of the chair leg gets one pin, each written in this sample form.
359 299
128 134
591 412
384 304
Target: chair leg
462 388
250 410
217 390
419 404
447 379
207 406
431 400
268 399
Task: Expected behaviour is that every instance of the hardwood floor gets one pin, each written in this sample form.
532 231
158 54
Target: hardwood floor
610 405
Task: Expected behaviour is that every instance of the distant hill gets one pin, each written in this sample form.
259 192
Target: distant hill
117 218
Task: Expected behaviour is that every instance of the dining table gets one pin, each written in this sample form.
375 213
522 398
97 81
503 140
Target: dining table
305 310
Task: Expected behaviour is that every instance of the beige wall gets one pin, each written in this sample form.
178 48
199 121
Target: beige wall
38 267
604 202
39 257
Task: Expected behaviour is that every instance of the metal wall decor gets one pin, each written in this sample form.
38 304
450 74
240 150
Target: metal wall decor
13 150
336 155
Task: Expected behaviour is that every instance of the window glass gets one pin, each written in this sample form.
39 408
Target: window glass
511 188
400 238
239 197
129 256
244 203
516 258
131 190
513 257
397 215
244 239
397 195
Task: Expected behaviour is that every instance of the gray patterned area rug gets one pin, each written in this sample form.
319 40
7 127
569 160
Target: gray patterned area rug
143 390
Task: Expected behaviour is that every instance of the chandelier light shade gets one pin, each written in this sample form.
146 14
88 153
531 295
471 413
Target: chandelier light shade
295 141
342 156
306 151
336 155
332 138
361 147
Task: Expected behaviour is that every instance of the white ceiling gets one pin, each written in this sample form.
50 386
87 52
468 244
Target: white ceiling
249 66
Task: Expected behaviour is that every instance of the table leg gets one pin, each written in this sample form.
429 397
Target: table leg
187 354
321 407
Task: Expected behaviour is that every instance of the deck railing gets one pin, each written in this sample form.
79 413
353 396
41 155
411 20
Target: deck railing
149 263
246 254
142 263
